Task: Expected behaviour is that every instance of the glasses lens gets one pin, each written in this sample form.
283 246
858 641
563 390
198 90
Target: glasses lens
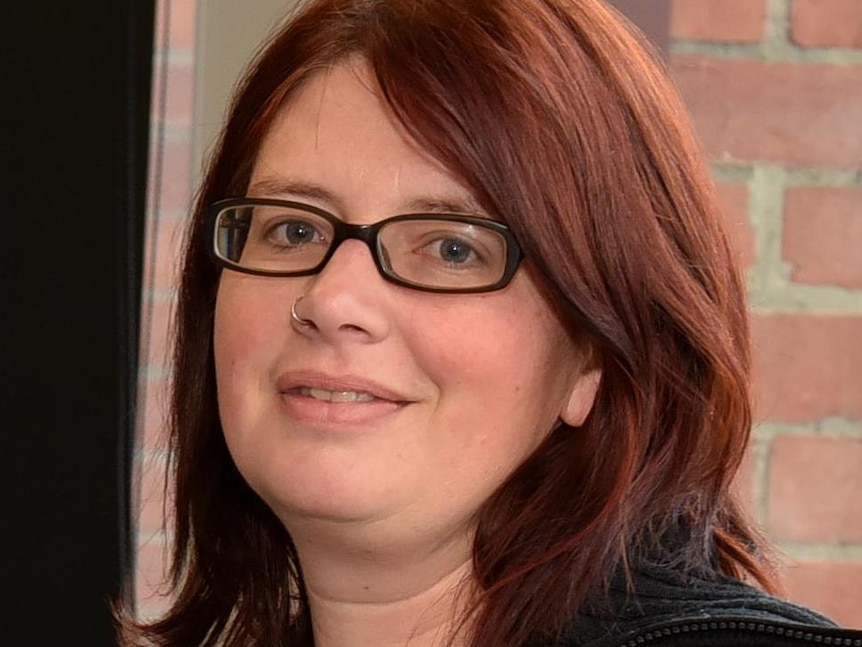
444 254
272 238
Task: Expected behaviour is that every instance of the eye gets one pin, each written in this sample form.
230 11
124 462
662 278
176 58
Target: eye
294 233
454 251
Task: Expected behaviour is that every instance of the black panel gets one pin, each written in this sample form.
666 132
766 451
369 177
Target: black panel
75 111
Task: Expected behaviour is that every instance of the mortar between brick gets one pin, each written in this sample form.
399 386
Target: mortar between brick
773 54
766 212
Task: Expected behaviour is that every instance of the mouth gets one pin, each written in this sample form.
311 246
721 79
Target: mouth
338 389
335 396
338 402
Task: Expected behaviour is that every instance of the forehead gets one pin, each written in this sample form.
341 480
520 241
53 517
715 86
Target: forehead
337 134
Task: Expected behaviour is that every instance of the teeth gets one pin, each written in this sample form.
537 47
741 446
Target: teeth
338 396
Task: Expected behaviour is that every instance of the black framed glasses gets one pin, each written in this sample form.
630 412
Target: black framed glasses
445 252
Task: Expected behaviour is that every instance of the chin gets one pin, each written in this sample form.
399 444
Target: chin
314 498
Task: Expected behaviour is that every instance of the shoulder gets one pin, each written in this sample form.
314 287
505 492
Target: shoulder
665 609
728 632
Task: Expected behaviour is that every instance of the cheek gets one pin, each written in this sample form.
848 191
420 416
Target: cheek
231 351
250 314
505 372
230 345
247 332
461 353
497 398
487 343
492 364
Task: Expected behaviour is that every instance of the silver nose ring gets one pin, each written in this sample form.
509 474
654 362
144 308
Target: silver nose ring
293 314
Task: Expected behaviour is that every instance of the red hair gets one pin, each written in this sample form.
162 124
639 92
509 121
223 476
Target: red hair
565 127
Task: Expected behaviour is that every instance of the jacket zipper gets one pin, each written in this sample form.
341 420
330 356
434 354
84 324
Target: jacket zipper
802 633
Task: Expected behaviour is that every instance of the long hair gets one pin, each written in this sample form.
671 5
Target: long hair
558 117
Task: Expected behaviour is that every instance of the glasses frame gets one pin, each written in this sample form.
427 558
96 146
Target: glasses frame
342 231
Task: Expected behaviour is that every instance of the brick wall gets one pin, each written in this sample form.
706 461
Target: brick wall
170 194
775 89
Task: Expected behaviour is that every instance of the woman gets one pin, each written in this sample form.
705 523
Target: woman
462 353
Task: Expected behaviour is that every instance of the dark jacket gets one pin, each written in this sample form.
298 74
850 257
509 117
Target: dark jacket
669 610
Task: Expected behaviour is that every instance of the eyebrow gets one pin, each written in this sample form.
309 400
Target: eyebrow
284 187
272 186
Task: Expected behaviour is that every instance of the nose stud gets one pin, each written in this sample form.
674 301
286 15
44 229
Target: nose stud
293 314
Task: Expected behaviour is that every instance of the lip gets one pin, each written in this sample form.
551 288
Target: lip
318 414
292 382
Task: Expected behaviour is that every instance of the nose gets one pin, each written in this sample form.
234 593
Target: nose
348 301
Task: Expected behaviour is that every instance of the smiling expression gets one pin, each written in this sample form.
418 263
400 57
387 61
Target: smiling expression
393 407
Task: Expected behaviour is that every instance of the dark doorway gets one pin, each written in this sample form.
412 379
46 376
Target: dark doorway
76 111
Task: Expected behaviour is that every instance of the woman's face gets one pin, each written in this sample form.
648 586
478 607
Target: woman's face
455 391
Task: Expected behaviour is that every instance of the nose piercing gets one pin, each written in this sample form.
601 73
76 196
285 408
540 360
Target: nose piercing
293 314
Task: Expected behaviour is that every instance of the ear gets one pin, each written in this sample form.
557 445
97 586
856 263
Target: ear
581 397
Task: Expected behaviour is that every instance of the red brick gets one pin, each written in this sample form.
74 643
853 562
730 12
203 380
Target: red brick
833 588
814 487
807 367
744 485
826 23
160 37
180 95
155 330
175 177
153 424
150 577
736 21
734 204
176 48
800 114
170 232
823 235
150 509
182 29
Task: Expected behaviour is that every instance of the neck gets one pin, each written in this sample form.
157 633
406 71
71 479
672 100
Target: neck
362 596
